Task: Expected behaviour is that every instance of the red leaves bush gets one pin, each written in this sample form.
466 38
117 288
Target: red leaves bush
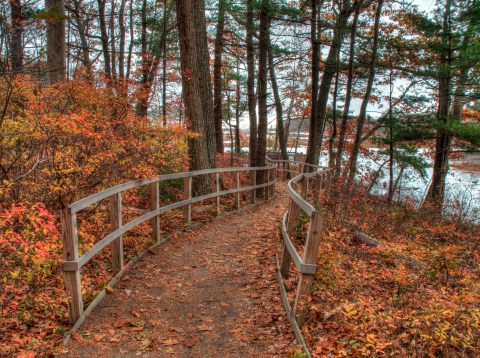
31 292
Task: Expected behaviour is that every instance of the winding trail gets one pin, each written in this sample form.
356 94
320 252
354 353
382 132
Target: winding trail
210 292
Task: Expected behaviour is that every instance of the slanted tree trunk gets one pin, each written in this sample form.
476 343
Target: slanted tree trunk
317 123
56 53
192 90
352 164
16 46
81 25
217 77
251 97
348 95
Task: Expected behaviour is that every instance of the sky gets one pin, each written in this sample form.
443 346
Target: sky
424 5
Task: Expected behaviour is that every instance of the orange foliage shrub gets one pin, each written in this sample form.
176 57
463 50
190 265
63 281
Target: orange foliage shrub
57 145
61 143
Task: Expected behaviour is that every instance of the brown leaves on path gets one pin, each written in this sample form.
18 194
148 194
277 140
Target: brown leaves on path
208 292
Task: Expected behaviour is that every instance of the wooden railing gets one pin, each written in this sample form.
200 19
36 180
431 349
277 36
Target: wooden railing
73 262
298 190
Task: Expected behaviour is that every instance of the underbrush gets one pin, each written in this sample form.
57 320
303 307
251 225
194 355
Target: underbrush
415 294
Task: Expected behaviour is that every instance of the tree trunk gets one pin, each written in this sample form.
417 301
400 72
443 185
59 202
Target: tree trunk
436 191
82 33
205 82
251 98
189 58
238 148
317 123
130 46
217 77
56 41
17 35
278 103
352 164
164 66
121 53
104 38
262 91
112 39
348 95
315 40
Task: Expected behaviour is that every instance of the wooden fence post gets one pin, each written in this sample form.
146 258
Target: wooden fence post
154 205
304 187
73 281
116 223
309 257
292 221
237 186
217 199
187 194
253 181
318 188
267 188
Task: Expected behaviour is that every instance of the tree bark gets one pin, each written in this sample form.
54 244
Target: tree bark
81 24
130 46
436 192
317 123
112 39
315 41
189 58
198 8
104 38
348 94
16 46
262 89
56 53
278 103
251 98
217 77
121 52
352 164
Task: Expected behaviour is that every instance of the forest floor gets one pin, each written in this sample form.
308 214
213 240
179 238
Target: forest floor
210 292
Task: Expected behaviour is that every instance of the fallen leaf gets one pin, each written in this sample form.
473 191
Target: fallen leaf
204 328
135 313
223 304
109 289
155 323
98 337
120 323
170 342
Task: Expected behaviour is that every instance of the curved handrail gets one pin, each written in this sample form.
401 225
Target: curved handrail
73 262
94 198
307 263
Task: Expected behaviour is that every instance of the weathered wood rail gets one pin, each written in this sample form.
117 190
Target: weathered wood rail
298 190
73 262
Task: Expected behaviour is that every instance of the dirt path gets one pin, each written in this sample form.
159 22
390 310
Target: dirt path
211 292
